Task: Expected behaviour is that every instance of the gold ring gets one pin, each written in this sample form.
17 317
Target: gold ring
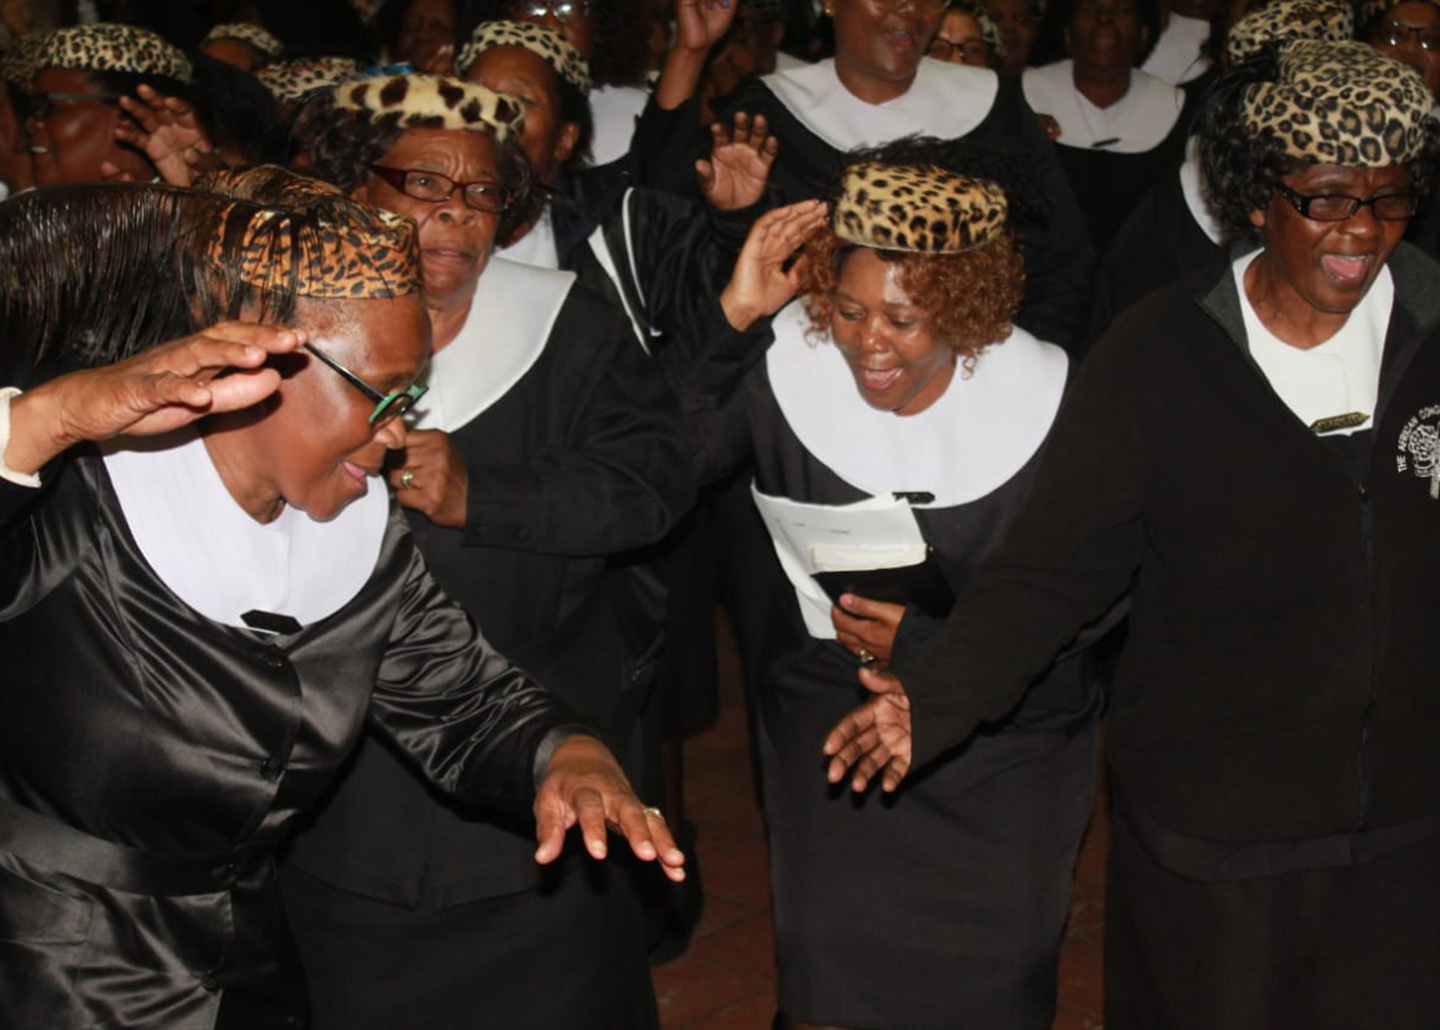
652 810
866 658
407 478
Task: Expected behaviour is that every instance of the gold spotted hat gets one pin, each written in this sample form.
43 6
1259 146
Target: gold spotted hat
267 45
1340 103
1285 21
293 232
295 79
418 101
924 210
546 43
105 47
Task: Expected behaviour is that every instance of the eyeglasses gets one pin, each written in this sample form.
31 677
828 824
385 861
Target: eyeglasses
945 49
40 105
1396 33
1337 207
387 405
434 188
563 11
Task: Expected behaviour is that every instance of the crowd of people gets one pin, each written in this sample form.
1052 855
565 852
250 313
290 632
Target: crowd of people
390 392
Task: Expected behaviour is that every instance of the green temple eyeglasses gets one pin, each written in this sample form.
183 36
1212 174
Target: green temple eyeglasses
387 405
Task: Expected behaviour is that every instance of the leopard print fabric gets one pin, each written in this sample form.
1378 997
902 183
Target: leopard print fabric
1340 103
309 236
1287 20
545 43
104 47
17 63
267 45
924 210
433 102
294 80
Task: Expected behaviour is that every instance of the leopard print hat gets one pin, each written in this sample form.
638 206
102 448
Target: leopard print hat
1340 103
291 231
433 102
545 43
293 80
105 47
253 35
1287 20
924 210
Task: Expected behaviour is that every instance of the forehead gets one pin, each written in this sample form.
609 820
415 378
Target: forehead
512 64
458 146
864 275
63 80
961 23
380 339
1413 12
1350 177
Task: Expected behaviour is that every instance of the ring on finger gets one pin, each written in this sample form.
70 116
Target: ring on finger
652 810
407 478
866 658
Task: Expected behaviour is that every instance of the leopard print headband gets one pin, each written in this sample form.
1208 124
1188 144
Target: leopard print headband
105 47
314 239
922 210
268 46
433 102
545 43
1340 103
1289 20
293 80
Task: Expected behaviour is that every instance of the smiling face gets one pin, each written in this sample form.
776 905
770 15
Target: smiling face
1105 35
885 337
548 140
879 44
314 447
426 26
76 135
960 40
455 239
1328 266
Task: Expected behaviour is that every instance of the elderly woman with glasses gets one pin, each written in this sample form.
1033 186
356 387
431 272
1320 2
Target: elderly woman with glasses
547 444
199 624
1251 454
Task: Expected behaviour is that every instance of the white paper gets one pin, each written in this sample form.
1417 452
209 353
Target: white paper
879 533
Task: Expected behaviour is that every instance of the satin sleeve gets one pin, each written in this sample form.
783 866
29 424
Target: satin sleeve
43 535
476 726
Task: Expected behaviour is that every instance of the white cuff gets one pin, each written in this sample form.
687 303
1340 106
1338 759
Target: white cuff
18 478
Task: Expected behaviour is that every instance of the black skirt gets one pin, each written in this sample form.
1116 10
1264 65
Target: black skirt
946 902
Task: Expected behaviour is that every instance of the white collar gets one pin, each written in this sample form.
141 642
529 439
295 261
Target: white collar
511 315
945 100
1192 188
1177 57
217 559
615 109
1137 122
980 432
537 247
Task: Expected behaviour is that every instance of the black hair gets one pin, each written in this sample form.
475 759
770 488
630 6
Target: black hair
619 53
1240 169
342 144
237 112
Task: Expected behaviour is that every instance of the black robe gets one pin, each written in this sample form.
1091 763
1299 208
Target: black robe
153 760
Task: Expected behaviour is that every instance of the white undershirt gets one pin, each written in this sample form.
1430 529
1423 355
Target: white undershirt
1337 377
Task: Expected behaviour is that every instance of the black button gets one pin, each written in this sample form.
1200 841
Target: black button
270 768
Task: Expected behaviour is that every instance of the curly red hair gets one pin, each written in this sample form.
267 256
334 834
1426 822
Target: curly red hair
969 299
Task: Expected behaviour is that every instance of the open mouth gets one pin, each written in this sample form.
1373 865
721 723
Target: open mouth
877 380
1347 269
360 473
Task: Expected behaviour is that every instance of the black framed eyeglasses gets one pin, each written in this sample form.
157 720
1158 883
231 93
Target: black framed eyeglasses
40 105
563 11
387 405
1396 33
433 188
944 49
1337 207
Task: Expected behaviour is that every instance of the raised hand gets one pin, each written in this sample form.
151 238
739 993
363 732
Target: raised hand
583 786
433 478
874 739
699 24
741 157
156 391
166 131
761 283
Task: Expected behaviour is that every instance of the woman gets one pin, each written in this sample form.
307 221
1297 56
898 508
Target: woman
1276 838
968 36
1409 32
548 443
420 33
1120 129
242 44
76 123
900 409
1019 25
199 626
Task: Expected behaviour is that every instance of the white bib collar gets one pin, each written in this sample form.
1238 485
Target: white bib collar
217 559
1192 188
972 440
510 319
1137 122
1177 56
537 247
945 100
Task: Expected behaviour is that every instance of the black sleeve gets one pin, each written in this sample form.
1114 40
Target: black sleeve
622 475
1069 555
663 148
42 535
